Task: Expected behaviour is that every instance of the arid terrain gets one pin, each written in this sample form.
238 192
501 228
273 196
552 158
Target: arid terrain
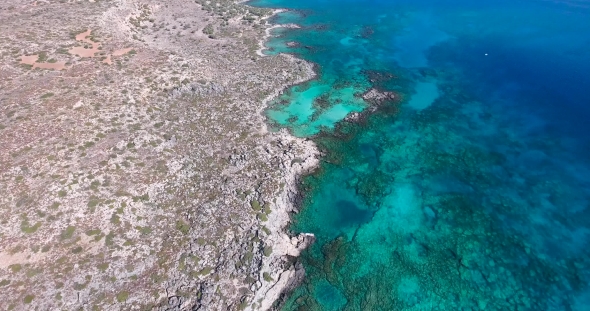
136 171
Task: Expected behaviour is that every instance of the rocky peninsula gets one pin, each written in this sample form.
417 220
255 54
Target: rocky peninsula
137 172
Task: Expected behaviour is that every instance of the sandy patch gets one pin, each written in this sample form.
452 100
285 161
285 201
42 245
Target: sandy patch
54 66
82 51
29 60
32 60
91 52
82 36
122 52
108 60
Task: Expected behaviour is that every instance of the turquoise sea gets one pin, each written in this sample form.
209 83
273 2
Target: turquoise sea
468 186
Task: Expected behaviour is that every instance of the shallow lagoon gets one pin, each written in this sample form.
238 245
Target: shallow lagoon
471 189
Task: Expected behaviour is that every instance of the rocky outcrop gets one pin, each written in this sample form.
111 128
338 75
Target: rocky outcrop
378 97
282 274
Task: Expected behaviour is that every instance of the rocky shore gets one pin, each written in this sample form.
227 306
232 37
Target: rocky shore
302 159
139 173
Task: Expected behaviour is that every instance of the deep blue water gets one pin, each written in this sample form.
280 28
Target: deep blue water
470 189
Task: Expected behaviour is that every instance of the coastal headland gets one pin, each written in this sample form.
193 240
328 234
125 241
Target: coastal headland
136 170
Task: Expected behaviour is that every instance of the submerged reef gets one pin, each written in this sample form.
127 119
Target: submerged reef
453 176
396 214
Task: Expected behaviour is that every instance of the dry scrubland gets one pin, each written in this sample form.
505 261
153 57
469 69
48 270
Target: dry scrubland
135 169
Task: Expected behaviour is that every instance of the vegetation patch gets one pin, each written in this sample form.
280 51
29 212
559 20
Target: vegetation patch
255 205
15 268
182 227
68 233
28 299
267 251
122 296
26 228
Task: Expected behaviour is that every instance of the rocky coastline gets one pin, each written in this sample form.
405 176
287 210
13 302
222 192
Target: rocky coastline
145 179
287 272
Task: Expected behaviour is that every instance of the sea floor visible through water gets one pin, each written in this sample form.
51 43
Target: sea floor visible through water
470 189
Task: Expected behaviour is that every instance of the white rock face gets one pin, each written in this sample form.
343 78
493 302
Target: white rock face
376 96
283 245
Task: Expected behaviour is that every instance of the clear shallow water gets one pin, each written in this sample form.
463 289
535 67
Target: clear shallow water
471 190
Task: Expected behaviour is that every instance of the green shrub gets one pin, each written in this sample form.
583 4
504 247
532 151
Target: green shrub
115 220
68 232
24 227
93 232
108 241
78 286
205 271
248 257
122 296
255 205
103 266
15 268
266 230
77 250
93 201
28 299
267 209
144 197
208 30
144 230
42 57
182 227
